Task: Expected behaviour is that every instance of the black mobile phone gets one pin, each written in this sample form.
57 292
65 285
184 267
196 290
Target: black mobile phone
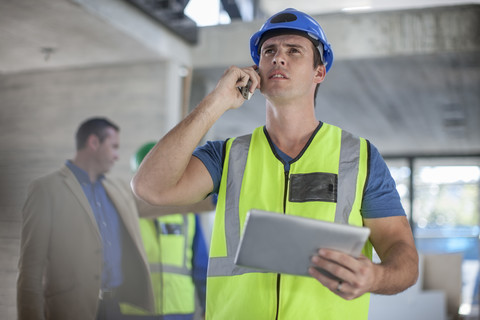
245 91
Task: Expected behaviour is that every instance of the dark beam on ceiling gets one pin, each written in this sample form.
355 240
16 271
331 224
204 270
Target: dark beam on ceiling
170 14
230 6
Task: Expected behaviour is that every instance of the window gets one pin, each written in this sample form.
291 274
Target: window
442 199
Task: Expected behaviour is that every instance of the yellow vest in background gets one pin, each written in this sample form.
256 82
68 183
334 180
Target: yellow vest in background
253 177
168 244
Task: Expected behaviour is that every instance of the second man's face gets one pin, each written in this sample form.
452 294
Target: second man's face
108 151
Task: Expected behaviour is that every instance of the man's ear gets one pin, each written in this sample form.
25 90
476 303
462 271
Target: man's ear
93 142
320 73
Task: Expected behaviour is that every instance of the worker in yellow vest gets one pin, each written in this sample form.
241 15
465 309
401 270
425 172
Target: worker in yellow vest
178 259
295 165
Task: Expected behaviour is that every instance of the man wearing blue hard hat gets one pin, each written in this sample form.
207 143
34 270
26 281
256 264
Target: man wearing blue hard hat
294 165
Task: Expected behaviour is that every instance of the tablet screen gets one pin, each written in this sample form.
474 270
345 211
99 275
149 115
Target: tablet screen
275 242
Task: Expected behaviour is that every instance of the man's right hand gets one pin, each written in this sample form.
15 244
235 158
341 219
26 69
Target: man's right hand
233 78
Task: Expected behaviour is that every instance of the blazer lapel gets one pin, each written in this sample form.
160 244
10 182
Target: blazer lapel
73 184
124 202
120 201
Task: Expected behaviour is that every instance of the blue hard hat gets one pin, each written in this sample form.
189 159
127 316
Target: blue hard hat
296 22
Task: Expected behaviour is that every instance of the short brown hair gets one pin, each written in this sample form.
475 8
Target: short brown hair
96 126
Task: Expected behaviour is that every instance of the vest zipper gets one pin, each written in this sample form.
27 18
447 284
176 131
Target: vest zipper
284 211
278 295
285 192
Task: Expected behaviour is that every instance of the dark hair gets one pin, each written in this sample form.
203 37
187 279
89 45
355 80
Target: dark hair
96 126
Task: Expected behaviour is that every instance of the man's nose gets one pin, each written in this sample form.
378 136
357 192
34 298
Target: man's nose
279 59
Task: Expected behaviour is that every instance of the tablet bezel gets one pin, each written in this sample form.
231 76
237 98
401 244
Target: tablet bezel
275 242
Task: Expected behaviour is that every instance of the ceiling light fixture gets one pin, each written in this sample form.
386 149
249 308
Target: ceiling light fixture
359 8
47 52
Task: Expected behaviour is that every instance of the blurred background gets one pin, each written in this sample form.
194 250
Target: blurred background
406 76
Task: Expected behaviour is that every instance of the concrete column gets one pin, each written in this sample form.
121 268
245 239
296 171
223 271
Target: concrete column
174 74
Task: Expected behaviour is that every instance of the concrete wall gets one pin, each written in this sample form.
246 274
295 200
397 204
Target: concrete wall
39 114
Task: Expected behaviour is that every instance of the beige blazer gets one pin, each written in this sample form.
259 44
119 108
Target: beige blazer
60 262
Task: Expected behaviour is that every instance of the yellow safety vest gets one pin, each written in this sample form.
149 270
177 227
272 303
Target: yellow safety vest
254 177
169 252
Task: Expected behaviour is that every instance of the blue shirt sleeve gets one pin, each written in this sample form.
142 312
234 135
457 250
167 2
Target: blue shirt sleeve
211 154
380 198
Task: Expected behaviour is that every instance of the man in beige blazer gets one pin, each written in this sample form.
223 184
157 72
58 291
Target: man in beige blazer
81 249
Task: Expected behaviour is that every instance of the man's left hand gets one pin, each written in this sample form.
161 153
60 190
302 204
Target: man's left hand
357 274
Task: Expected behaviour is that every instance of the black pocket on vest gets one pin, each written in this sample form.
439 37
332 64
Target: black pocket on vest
316 186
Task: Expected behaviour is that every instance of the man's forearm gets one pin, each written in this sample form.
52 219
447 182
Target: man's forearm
393 241
164 166
397 271
148 211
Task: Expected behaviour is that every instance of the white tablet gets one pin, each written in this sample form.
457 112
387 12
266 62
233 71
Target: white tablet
275 242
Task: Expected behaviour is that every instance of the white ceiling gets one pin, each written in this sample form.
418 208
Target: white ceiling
38 34
330 6
422 103
29 28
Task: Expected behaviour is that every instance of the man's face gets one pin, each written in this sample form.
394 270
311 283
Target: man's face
107 152
286 67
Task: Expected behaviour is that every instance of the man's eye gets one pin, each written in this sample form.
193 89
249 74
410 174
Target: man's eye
268 51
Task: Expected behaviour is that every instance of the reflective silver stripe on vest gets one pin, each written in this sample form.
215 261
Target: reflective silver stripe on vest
347 173
347 176
225 266
183 270
158 268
